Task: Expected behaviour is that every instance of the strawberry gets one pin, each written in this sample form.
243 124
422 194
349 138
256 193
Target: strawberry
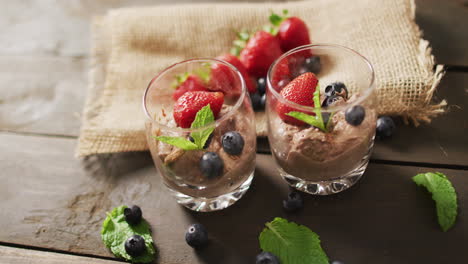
300 91
281 74
188 83
187 106
223 79
293 33
261 50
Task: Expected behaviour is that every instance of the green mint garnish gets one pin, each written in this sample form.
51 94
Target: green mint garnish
317 120
292 243
115 231
443 194
204 117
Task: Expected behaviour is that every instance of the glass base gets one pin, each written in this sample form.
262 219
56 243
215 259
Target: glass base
202 204
327 187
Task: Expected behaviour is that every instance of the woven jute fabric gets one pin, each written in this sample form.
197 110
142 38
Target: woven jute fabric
131 45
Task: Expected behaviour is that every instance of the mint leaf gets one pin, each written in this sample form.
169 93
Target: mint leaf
443 194
204 117
115 231
292 243
309 119
179 142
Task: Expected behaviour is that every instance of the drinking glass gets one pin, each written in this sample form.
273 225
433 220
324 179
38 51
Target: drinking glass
314 160
181 170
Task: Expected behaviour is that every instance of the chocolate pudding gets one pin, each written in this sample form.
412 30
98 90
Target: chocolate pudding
312 155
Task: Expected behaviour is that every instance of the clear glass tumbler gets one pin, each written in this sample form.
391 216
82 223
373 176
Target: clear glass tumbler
218 174
330 152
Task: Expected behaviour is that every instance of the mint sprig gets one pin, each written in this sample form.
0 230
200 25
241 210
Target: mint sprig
292 243
115 231
204 117
317 120
443 194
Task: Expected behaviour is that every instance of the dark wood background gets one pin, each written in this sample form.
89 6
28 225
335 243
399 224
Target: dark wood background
52 204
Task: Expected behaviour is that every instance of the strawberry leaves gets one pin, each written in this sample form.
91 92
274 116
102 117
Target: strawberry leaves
203 118
275 21
239 44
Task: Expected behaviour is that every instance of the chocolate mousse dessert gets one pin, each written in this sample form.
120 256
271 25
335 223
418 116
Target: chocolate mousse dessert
314 144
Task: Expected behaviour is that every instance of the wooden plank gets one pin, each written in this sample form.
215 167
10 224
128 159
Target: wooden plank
25 256
444 141
53 201
442 23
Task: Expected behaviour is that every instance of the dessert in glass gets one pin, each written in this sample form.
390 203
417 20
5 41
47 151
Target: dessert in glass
200 130
321 117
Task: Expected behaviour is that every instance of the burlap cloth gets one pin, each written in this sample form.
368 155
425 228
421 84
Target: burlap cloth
131 45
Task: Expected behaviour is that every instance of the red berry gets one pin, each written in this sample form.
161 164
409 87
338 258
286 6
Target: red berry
293 33
281 74
300 91
259 53
191 84
223 79
187 106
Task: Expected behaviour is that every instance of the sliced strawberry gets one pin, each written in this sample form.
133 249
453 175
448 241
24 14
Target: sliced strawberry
262 49
187 106
223 79
191 84
300 91
292 33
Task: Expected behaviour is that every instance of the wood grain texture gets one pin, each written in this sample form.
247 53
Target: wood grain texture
25 256
60 205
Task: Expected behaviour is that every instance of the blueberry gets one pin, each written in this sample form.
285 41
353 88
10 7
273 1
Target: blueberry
256 100
329 100
133 215
196 236
233 143
207 143
337 262
294 202
261 85
211 165
266 258
385 127
263 101
135 245
355 115
312 64
336 88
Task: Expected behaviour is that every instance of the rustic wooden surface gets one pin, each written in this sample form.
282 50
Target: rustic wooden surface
53 202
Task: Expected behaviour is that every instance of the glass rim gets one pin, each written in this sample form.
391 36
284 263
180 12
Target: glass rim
304 108
238 103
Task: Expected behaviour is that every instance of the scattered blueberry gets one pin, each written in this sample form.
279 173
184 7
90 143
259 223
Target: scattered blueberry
256 100
336 88
133 215
294 202
135 245
207 143
233 143
266 258
355 115
196 236
211 165
312 64
261 85
329 100
337 262
385 127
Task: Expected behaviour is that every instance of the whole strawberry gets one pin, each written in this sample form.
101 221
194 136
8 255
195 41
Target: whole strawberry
281 74
188 83
223 79
187 106
292 32
261 50
300 91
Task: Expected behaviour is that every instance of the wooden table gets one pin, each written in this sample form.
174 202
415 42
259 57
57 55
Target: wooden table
52 205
